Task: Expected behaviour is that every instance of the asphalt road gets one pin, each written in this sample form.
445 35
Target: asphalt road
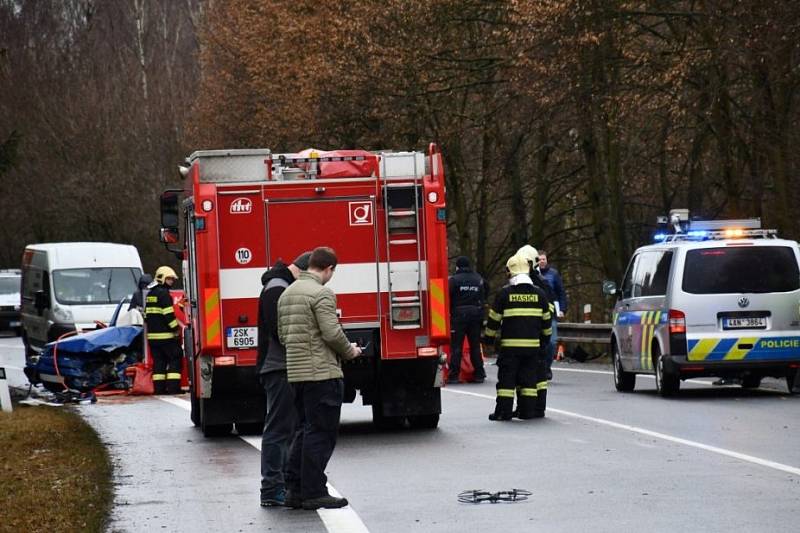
712 459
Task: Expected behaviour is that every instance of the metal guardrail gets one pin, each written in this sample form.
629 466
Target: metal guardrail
589 333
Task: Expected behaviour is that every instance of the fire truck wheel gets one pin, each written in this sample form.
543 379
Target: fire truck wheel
212 430
385 422
195 412
251 428
424 421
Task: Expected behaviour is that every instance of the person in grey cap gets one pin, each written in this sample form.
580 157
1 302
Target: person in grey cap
468 292
280 421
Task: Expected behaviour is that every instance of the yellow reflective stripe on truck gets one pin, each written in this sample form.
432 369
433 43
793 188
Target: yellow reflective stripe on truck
437 307
211 319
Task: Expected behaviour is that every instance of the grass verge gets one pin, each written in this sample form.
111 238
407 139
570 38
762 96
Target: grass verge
55 474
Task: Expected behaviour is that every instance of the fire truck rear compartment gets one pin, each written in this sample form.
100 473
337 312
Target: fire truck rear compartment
398 387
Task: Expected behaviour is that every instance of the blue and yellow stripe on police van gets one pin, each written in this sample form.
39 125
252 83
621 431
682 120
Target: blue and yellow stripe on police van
649 320
743 348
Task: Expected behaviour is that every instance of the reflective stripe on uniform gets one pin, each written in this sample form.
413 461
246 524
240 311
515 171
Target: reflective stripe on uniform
547 331
542 385
490 332
528 392
160 336
547 317
522 311
159 310
173 324
505 393
159 377
494 315
520 343
173 375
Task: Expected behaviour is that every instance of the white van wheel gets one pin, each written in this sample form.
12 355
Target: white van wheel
667 384
623 381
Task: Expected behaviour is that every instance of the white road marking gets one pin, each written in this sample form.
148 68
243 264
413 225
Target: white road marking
344 520
663 436
610 373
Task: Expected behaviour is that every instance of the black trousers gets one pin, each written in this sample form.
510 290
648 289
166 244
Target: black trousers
280 423
318 405
466 324
166 367
523 377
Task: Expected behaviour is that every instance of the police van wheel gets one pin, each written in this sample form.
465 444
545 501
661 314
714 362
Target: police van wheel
667 383
623 381
791 381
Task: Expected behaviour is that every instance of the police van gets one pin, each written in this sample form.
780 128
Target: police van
708 298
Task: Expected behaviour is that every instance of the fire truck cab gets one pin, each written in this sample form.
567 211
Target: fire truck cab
382 212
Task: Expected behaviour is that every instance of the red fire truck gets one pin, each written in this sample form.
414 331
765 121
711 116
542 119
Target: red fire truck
383 213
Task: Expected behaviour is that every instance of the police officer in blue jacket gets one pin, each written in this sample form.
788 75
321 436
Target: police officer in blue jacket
468 292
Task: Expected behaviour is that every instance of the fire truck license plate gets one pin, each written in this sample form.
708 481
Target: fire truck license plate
241 338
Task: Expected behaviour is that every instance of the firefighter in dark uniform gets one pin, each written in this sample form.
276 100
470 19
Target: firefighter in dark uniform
162 334
468 292
521 317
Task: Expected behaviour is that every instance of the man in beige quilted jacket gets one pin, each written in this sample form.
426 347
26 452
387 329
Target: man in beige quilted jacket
315 345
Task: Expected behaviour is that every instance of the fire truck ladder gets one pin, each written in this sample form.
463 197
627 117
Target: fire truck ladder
403 229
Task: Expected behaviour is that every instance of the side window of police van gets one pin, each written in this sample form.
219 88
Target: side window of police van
627 282
659 267
642 274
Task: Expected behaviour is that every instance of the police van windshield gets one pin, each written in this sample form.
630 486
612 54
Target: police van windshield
94 285
9 285
753 269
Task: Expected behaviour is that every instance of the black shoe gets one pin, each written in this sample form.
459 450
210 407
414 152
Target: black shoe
274 500
549 375
324 502
528 416
494 417
293 500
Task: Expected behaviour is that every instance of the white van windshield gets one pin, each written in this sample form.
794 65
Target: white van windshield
78 286
9 285
753 269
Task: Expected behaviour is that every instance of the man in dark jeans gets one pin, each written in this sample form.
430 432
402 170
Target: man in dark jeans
280 421
315 346
468 292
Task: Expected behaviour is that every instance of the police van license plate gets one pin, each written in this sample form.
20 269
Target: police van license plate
241 338
747 322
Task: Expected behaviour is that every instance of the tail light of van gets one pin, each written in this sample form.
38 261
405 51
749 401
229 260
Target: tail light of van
677 322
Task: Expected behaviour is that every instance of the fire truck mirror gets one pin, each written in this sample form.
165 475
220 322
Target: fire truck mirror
169 235
169 211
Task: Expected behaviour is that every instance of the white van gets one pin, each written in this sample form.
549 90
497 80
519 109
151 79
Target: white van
71 286
715 298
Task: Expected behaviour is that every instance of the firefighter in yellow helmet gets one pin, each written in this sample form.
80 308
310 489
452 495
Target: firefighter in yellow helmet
163 334
521 316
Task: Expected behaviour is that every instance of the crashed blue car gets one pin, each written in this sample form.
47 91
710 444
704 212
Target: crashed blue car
88 360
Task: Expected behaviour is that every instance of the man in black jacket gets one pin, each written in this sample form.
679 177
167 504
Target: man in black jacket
468 292
280 420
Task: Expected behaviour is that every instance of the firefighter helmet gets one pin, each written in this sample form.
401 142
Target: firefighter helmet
165 272
518 264
529 253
